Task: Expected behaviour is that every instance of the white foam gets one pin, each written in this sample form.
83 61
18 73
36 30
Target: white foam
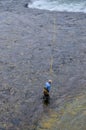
55 5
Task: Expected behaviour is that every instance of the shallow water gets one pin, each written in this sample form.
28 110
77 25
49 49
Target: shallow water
72 115
26 48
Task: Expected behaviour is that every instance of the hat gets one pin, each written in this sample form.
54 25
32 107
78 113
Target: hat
50 81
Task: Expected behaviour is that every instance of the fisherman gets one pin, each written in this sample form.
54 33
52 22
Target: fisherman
46 89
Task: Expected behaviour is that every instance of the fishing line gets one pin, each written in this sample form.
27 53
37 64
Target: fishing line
52 44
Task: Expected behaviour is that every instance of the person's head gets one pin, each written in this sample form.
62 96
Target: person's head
49 81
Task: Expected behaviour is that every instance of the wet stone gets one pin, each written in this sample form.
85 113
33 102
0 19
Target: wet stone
16 121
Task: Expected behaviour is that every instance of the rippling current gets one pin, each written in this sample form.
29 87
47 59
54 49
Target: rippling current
60 5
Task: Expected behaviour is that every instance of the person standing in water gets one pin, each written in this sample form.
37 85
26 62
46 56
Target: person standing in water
46 89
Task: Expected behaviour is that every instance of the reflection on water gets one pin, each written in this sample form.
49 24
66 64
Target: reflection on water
46 100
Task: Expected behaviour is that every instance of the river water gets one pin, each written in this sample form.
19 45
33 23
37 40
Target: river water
26 47
60 5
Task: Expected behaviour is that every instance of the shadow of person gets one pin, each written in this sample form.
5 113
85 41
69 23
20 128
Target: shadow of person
46 100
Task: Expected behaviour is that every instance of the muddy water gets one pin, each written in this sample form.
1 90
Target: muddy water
28 40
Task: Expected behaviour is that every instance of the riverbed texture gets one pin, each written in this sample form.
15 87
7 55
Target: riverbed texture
37 45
